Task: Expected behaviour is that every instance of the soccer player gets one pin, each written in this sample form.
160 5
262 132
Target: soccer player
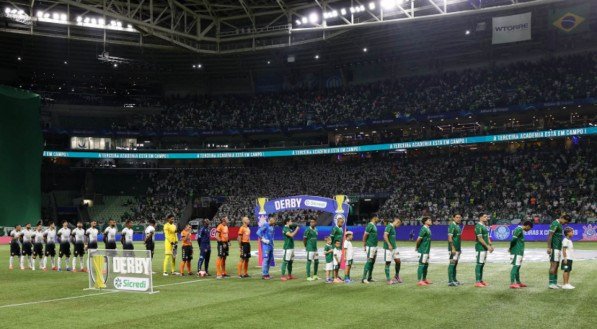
127 236
110 235
370 246
203 237
289 231
64 239
554 249
266 236
337 259
454 248
244 244
567 257
15 246
391 251
91 235
223 245
27 242
38 246
482 246
310 242
170 245
349 254
50 241
78 235
423 247
149 237
516 251
337 231
328 251
187 250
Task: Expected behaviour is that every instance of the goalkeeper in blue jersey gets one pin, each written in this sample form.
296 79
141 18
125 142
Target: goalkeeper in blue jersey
266 235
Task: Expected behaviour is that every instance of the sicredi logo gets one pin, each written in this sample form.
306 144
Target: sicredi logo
126 265
316 204
134 284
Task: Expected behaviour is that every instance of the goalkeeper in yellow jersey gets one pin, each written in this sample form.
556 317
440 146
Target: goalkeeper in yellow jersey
170 245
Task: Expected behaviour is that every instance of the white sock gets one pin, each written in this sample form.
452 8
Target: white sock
44 262
30 261
59 263
74 263
53 261
21 261
33 264
81 263
10 260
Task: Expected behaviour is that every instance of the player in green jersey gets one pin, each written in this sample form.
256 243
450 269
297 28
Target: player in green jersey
289 231
328 251
454 233
554 248
310 242
423 247
337 231
390 250
482 246
516 251
370 247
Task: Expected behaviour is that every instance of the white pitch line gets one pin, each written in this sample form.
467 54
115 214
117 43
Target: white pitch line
57 299
183 282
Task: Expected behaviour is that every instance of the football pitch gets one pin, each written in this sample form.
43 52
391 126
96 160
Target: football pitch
57 300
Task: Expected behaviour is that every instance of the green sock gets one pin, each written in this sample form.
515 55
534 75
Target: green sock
290 267
513 275
478 272
371 265
387 271
481 272
454 275
397 268
284 264
365 270
451 273
425 271
420 271
517 274
309 268
315 267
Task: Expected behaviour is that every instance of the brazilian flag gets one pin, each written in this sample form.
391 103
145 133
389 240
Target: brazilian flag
571 19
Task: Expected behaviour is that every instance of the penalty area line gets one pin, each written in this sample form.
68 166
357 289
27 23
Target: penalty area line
56 299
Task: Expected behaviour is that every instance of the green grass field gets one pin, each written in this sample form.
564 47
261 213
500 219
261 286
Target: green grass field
57 299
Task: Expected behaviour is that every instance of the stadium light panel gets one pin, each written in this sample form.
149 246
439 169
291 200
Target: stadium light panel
304 20
47 15
65 62
352 10
21 12
14 11
7 10
94 21
87 20
371 5
40 14
388 4
56 16
101 21
313 18
467 32
343 11
19 58
79 19
63 17
316 56
298 22
365 49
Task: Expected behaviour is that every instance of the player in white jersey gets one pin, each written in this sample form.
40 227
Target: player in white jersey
64 239
149 236
110 235
91 235
78 239
127 236
50 240
15 246
27 242
349 254
38 246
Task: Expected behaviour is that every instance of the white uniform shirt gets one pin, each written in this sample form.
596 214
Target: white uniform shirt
38 237
15 235
50 235
567 243
128 235
349 251
79 235
110 233
150 230
64 235
338 255
27 235
91 234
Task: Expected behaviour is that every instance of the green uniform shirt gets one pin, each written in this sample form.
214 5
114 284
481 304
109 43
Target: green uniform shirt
311 236
288 241
455 231
329 257
556 240
481 230
336 235
391 230
425 245
372 237
517 243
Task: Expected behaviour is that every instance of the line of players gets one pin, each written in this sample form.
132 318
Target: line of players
28 245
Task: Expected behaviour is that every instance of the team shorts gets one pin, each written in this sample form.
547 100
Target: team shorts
516 260
64 250
556 255
128 246
111 245
92 245
349 262
38 249
329 266
79 250
150 245
187 253
288 255
15 249
50 250
27 249
390 255
481 257
223 249
312 255
455 256
245 250
423 258
371 252
568 266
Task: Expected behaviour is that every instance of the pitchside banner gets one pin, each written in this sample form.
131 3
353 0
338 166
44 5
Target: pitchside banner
540 232
123 270
512 28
